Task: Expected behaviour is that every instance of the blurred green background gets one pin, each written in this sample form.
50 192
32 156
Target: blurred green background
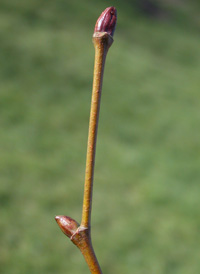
145 216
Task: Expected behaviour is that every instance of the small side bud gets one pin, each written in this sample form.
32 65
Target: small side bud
107 21
68 225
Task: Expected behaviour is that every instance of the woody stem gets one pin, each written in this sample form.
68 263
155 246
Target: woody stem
102 42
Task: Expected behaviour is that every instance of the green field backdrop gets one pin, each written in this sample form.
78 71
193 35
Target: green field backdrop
146 204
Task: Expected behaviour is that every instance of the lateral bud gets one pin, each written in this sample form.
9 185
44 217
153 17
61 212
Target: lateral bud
68 225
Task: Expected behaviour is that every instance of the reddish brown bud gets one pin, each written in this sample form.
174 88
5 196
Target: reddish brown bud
67 225
107 21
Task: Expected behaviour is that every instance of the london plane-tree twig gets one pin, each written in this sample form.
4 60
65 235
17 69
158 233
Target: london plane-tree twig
80 235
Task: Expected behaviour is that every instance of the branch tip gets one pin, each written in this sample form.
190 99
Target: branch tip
107 21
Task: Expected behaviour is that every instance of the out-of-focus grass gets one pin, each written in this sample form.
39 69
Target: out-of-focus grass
146 193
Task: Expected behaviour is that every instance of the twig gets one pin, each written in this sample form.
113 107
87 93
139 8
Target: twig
80 235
